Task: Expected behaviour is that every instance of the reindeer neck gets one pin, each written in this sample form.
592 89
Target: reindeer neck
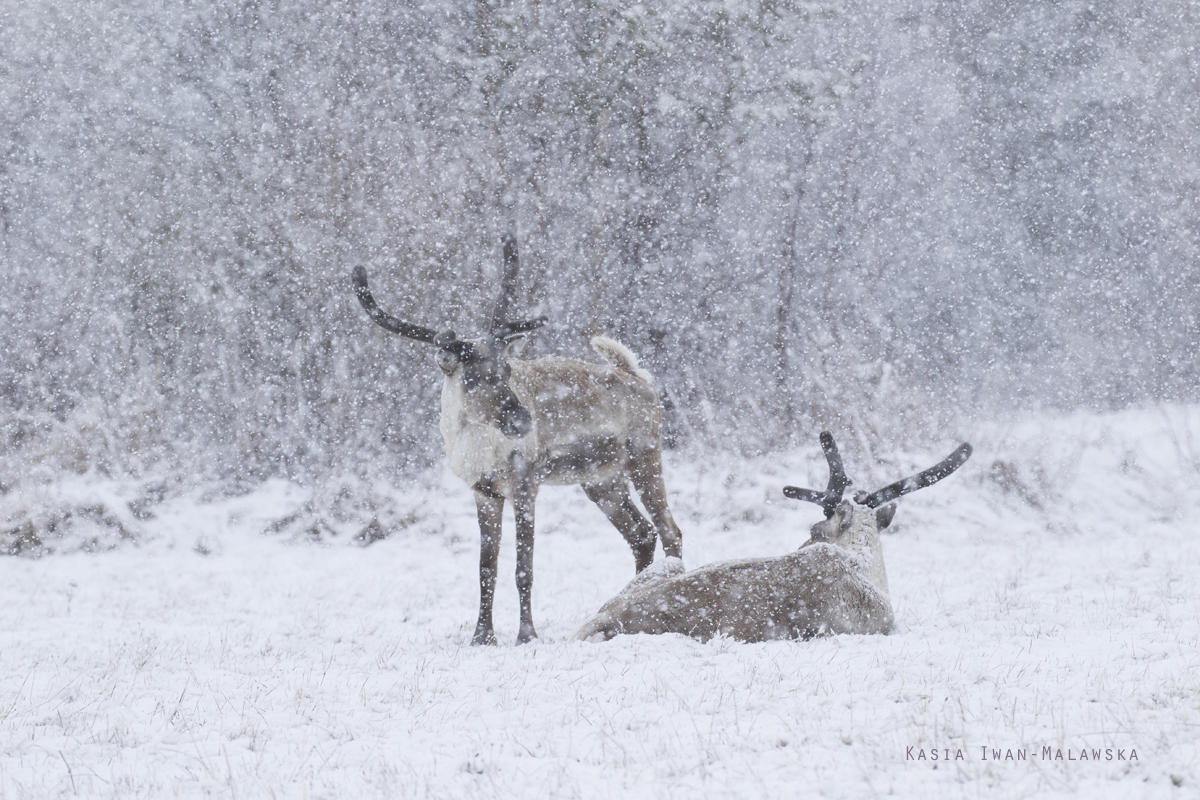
862 539
478 452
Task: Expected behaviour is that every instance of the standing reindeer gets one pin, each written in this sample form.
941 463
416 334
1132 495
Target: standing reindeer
835 582
512 425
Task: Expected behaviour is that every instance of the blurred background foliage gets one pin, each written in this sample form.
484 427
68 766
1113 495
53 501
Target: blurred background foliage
873 216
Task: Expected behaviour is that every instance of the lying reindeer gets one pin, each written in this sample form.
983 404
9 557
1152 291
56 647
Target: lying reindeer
511 425
835 582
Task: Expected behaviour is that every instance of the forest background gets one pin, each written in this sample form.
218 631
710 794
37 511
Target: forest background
878 217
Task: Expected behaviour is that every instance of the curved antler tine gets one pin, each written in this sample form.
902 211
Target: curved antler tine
509 328
508 280
919 481
808 495
837 473
381 317
828 500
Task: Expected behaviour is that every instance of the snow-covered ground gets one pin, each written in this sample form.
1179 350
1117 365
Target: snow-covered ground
1045 598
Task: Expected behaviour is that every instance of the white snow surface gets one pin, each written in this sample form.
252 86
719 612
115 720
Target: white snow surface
1045 596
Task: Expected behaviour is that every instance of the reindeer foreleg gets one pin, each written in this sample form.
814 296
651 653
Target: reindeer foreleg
490 509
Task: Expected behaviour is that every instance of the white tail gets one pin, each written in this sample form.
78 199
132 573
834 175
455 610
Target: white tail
835 582
620 357
510 426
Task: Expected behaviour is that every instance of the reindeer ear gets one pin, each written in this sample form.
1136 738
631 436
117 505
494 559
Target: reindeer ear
884 515
514 344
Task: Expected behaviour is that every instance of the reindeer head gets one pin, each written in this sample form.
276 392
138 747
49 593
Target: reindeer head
845 519
480 366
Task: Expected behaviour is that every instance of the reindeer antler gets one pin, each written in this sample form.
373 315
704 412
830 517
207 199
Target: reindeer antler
829 499
919 481
500 329
445 340
381 317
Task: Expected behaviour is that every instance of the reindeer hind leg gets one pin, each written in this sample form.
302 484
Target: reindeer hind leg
614 500
647 478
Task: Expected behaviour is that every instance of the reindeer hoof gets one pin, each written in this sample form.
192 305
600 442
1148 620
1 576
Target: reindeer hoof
483 637
526 635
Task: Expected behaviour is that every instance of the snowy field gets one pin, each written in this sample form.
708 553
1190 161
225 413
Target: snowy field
1046 597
